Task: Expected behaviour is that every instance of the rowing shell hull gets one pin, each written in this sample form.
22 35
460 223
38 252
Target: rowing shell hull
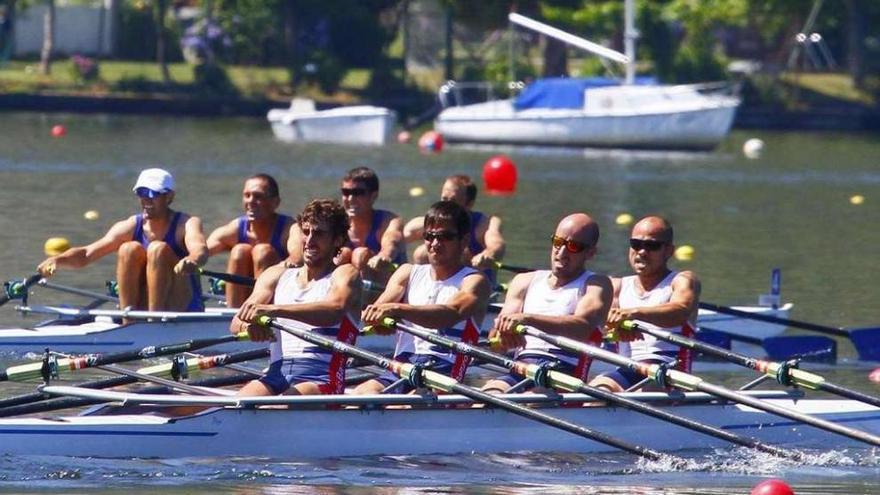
290 433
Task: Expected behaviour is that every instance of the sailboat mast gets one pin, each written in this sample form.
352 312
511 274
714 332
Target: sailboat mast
630 35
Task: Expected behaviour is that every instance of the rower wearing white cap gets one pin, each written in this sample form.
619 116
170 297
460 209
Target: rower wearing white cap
158 251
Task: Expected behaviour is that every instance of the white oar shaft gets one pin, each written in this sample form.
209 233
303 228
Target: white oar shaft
569 38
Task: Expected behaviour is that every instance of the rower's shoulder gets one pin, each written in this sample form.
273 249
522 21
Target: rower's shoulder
686 279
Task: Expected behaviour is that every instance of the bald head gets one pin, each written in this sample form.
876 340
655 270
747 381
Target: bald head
653 227
579 227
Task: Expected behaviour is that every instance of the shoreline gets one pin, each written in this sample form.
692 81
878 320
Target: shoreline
827 118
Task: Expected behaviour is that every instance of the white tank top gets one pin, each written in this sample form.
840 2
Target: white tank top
544 300
649 347
422 289
288 291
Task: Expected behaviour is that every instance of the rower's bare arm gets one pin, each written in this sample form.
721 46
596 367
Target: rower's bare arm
78 257
494 239
223 238
392 239
682 305
511 313
394 291
295 245
261 297
589 313
470 301
412 231
194 240
344 297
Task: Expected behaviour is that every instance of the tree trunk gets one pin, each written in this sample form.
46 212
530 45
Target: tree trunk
555 58
290 40
114 17
161 39
856 42
48 38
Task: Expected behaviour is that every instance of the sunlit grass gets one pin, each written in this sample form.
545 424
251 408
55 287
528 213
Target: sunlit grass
834 85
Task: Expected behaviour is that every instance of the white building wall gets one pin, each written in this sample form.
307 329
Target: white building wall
76 30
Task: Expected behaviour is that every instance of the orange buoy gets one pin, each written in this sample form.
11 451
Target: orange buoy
772 487
58 130
499 175
431 142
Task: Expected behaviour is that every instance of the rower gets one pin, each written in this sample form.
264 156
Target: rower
444 294
486 246
158 251
655 297
567 300
318 296
257 239
375 237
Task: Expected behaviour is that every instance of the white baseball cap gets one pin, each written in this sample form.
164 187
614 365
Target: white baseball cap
153 180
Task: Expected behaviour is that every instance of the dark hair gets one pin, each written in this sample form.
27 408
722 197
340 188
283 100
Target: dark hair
329 211
452 211
470 189
364 175
273 184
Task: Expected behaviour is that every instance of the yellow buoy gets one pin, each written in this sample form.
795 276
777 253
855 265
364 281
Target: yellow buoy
56 245
623 219
416 191
857 199
91 215
684 253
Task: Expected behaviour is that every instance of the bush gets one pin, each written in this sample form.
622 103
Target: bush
83 69
212 78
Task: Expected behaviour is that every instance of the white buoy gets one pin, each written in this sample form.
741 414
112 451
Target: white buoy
753 148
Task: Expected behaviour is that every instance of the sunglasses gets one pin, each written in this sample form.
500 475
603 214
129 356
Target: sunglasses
354 191
439 235
147 193
646 244
570 245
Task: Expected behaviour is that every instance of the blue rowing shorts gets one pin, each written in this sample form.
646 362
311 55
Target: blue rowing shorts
512 379
432 363
626 377
285 373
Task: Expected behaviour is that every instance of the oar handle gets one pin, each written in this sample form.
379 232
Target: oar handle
228 277
511 268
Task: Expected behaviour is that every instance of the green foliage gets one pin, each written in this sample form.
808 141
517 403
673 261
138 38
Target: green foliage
137 35
212 79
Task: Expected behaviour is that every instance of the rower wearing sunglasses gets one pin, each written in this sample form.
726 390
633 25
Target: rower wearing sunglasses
445 295
158 251
567 300
376 236
656 297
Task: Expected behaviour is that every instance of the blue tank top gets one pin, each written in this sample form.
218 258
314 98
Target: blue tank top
277 234
373 242
195 304
476 246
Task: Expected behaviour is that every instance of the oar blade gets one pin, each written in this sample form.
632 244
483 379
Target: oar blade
814 348
866 342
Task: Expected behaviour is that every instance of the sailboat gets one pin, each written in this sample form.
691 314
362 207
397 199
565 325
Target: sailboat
637 113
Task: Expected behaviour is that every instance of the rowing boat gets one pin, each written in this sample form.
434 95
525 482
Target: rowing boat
316 427
87 331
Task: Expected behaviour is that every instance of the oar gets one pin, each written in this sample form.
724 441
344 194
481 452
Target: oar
784 373
166 369
447 384
563 381
48 367
14 289
778 348
662 375
512 268
228 277
865 340
132 314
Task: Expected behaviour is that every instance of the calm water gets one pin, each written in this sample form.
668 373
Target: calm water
790 210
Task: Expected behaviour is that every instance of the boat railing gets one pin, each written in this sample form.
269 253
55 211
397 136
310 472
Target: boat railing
454 93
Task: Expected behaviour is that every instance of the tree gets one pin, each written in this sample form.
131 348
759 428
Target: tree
160 12
48 38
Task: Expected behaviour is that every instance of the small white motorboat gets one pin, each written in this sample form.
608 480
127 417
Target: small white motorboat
361 124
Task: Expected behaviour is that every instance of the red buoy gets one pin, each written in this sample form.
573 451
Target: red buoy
772 487
499 175
58 130
874 376
431 142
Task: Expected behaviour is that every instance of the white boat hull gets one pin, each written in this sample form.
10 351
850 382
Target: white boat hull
364 125
688 125
293 433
